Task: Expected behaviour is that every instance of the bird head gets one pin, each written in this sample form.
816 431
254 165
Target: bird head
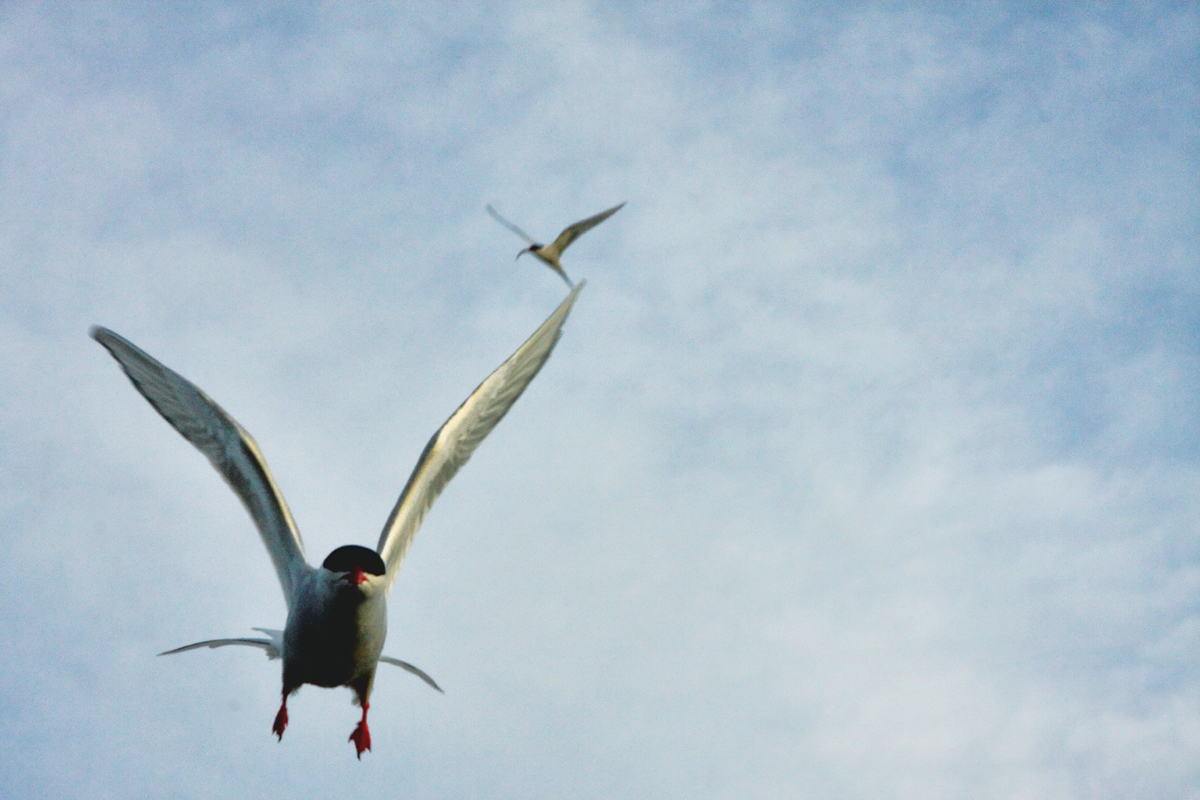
533 248
357 563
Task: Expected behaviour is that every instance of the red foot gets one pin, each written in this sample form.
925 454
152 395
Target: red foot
280 720
362 735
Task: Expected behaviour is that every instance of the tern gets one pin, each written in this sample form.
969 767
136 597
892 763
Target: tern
551 253
337 613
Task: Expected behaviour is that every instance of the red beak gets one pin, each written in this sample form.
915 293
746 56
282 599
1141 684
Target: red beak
359 576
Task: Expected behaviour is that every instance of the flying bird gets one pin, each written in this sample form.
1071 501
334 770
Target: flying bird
551 253
337 613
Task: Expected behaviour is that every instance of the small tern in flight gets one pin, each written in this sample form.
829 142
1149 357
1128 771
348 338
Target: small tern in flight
337 613
551 253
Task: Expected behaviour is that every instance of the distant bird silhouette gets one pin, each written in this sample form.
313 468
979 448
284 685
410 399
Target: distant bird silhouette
551 253
337 613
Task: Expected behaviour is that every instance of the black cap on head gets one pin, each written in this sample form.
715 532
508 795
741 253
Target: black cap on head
349 556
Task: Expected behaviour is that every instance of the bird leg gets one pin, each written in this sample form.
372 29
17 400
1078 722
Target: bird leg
281 719
362 735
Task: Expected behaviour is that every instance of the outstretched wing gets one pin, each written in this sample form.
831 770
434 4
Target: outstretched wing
509 225
228 446
573 232
458 437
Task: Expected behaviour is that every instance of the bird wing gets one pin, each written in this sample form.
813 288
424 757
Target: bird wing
228 446
458 437
414 670
573 232
509 225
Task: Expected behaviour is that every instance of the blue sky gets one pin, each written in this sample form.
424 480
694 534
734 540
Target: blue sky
867 465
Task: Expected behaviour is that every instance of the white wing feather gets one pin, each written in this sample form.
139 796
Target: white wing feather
572 232
458 437
496 216
228 446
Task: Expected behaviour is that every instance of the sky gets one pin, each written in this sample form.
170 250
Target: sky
867 465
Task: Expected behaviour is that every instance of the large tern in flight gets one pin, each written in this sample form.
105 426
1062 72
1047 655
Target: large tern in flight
337 613
551 253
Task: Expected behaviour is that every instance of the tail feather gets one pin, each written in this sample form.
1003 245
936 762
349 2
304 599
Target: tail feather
414 670
273 645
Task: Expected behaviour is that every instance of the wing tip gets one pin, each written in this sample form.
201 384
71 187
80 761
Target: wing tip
569 302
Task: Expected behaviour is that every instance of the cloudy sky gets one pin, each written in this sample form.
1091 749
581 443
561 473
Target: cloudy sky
867 466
